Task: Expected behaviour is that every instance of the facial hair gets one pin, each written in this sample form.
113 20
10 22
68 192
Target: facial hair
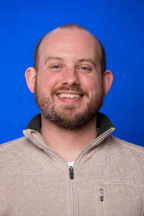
68 116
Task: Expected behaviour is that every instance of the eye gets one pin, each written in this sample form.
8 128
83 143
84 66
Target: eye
55 66
84 69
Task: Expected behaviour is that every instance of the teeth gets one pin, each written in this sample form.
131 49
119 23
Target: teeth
69 95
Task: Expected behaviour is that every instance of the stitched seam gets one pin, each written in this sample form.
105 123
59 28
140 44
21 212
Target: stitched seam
121 142
15 142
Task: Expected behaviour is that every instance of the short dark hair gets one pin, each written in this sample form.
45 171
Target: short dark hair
70 26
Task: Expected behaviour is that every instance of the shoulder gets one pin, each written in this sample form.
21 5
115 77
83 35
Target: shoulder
17 155
11 143
125 157
126 145
17 143
15 149
125 152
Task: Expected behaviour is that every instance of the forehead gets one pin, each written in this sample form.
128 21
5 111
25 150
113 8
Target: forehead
70 41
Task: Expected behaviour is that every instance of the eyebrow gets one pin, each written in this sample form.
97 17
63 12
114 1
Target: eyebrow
52 57
80 60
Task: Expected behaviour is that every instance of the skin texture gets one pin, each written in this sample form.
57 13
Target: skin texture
69 63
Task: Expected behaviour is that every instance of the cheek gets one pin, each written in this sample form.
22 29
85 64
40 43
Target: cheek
48 81
91 84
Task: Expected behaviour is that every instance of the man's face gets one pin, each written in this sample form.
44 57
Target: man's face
69 88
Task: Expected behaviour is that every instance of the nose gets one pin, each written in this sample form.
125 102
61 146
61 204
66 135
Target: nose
70 77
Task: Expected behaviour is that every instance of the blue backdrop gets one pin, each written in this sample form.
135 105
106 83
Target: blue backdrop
120 27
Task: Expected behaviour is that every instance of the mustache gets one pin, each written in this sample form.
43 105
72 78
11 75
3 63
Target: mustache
73 88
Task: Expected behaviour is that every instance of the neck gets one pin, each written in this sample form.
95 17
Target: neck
68 143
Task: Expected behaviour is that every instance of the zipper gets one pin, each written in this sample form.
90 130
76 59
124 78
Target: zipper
101 194
71 175
71 172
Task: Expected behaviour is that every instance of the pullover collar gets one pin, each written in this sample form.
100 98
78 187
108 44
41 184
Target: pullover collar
103 123
32 132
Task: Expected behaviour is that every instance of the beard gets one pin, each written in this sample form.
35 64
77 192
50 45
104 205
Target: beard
69 116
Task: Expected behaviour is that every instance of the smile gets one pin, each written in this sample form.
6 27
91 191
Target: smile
69 95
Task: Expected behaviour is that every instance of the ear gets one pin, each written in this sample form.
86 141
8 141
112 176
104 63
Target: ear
107 81
30 76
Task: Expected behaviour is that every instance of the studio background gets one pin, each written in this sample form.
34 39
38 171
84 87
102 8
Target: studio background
120 27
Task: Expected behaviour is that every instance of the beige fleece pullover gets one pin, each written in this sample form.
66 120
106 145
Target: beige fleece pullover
107 178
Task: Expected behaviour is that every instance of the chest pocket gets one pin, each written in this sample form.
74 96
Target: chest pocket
120 200
112 199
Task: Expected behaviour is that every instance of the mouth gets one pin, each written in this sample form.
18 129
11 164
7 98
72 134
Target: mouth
69 96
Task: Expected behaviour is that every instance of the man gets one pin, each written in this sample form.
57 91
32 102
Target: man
67 163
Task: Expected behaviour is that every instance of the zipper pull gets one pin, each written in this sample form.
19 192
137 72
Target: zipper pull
71 172
101 194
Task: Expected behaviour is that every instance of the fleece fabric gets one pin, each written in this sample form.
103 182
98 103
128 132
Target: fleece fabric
107 178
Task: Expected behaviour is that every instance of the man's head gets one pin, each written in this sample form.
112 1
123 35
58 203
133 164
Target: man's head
68 80
71 26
